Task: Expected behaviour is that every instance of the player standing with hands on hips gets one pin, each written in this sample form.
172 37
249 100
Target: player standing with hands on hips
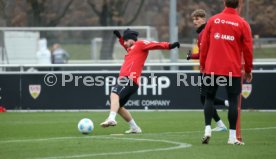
199 20
226 42
128 83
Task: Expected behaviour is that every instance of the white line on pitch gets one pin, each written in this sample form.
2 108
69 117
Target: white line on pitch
76 137
179 145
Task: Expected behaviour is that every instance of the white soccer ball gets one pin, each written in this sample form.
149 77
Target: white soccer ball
85 126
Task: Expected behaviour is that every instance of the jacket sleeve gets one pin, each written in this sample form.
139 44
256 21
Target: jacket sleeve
121 40
153 45
247 48
204 46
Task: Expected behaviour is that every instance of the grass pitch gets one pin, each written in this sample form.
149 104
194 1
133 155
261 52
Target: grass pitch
166 135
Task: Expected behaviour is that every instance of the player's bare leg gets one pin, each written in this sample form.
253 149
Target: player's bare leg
114 107
115 104
125 114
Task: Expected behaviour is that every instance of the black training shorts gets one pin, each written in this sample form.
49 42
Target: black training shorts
232 84
124 88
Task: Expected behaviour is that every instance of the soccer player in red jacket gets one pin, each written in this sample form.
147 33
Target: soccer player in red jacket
226 42
137 52
199 21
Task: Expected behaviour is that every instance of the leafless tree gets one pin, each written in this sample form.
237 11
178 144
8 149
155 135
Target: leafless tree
112 13
3 14
38 10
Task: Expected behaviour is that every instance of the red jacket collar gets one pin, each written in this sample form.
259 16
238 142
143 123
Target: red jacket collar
230 10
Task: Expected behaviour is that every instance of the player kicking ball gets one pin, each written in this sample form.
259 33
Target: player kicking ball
128 82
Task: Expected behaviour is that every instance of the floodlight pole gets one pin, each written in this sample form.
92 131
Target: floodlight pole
173 33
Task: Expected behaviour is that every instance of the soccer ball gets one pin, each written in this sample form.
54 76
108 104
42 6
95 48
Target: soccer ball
85 126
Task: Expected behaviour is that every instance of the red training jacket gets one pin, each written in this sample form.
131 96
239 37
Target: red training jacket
225 42
136 57
196 56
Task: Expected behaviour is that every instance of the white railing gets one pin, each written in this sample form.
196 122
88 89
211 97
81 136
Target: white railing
23 67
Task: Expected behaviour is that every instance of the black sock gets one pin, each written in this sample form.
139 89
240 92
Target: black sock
233 110
208 109
215 115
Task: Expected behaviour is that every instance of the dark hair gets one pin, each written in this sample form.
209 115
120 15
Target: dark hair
232 3
199 13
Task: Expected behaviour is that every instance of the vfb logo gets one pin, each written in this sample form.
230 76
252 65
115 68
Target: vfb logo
148 85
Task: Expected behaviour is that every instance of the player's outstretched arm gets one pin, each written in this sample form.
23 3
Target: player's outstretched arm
154 45
174 45
119 36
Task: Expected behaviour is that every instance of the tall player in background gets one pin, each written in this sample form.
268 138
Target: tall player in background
199 20
225 42
137 52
